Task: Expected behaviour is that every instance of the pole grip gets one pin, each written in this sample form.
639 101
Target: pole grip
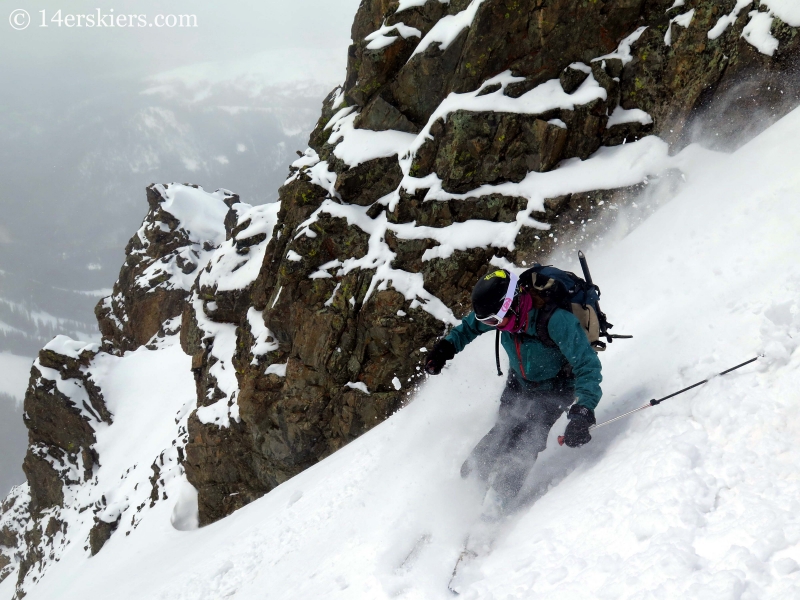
561 440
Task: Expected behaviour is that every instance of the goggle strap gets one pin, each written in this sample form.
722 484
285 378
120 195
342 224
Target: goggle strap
509 299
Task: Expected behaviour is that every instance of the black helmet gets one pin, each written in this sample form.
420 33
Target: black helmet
493 294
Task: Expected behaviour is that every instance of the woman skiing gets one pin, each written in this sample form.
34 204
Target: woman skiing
553 368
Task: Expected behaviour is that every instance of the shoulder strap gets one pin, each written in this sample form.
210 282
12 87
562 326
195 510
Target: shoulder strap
497 352
542 320
527 277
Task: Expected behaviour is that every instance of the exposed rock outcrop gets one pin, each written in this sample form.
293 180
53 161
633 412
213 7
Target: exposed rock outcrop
65 407
161 263
61 406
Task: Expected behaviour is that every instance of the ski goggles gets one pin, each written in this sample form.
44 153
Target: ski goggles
495 319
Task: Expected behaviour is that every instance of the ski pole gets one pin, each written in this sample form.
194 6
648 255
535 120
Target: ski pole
660 400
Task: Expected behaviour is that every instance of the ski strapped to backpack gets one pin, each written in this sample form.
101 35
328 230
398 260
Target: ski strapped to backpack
565 290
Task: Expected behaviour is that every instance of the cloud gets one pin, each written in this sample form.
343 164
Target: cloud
191 164
297 71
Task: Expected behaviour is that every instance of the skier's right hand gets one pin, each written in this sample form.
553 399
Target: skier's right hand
441 353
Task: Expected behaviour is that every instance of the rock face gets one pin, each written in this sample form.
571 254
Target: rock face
161 263
63 408
61 404
468 134
366 266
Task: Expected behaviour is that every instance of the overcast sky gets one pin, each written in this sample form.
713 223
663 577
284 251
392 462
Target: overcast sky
62 86
78 61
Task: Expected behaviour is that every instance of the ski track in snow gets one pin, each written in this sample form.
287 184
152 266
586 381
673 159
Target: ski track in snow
697 498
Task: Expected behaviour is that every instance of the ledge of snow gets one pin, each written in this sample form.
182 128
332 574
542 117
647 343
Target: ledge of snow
447 28
277 369
378 39
66 346
757 32
620 116
360 386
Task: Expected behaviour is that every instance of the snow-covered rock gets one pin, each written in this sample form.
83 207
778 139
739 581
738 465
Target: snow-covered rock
184 226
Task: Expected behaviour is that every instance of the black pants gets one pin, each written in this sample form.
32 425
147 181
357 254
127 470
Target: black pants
507 453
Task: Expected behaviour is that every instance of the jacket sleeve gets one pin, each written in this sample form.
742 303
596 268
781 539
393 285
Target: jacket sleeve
469 329
566 331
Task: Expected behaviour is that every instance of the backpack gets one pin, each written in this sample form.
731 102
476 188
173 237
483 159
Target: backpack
563 289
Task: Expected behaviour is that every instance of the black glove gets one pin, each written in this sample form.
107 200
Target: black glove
441 353
577 432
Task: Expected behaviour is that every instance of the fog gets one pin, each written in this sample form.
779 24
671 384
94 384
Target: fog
89 116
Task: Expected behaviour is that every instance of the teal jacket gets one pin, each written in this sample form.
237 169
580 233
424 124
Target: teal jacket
533 361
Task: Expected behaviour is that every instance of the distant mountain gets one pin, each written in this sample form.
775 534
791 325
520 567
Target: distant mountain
78 175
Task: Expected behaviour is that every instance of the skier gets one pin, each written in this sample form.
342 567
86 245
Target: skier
546 377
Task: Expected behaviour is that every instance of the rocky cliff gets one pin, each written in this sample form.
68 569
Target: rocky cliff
430 163
467 134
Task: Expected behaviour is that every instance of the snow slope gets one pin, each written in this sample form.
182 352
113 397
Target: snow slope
698 498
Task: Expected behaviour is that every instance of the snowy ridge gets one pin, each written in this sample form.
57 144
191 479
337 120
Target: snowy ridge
200 217
140 456
235 264
695 498
137 444
232 267
179 235
66 346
